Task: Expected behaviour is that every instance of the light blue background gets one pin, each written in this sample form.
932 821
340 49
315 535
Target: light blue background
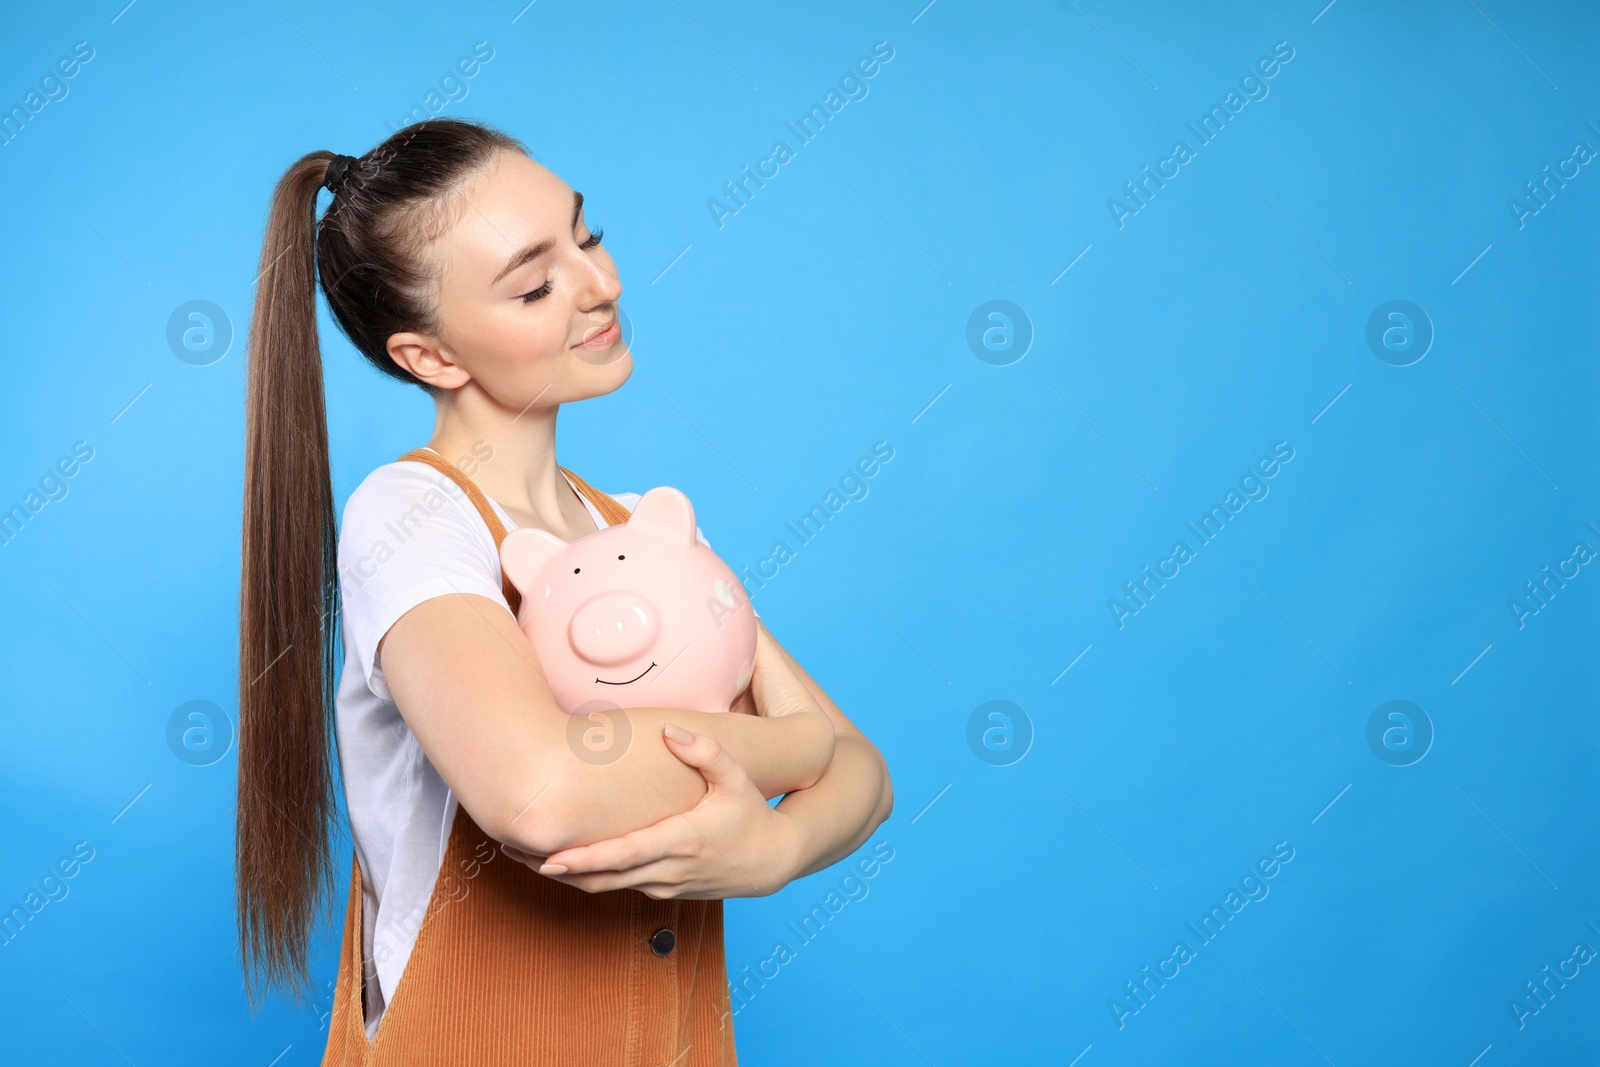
1228 314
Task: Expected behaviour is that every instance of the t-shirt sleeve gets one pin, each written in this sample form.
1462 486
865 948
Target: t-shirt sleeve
408 534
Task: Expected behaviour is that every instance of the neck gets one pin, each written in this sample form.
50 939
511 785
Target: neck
512 458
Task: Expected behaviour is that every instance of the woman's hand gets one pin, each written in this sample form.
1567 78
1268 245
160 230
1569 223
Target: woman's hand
777 690
783 692
731 844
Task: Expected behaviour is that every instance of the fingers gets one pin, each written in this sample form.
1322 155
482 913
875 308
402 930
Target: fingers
520 856
766 648
776 688
660 877
661 841
706 754
771 685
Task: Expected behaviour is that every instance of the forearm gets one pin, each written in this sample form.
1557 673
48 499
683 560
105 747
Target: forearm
466 683
836 816
579 792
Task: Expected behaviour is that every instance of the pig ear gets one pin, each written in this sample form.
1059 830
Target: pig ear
525 551
666 512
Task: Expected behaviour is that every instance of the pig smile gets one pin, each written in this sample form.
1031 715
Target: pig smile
641 674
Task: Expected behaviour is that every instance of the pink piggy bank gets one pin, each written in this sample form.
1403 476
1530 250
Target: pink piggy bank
639 614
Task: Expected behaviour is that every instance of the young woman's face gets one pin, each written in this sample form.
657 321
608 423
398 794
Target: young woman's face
526 297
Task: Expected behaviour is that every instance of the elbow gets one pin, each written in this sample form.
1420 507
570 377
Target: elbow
537 833
536 819
885 798
886 794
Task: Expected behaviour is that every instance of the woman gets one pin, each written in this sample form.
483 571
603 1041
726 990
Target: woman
454 261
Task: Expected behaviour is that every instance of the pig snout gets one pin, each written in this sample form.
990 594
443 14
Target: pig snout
613 628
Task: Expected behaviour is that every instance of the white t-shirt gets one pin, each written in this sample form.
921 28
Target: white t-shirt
408 534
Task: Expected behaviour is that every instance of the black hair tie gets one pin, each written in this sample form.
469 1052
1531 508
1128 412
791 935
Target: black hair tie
336 172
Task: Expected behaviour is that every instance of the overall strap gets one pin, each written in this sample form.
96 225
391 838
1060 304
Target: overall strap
613 512
609 509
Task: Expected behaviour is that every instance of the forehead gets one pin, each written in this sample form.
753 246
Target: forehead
512 203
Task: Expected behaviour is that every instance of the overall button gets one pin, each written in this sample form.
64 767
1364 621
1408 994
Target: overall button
663 941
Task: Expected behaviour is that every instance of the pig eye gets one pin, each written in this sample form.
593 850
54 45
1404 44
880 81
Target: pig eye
622 557
575 570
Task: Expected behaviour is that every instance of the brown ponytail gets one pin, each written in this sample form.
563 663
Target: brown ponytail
366 253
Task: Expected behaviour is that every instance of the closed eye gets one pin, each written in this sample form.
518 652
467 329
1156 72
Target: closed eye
544 290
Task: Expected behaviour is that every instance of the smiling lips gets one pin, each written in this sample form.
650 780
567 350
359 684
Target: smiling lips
605 338
641 674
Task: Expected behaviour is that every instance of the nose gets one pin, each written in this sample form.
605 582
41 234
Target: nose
600 284
613 628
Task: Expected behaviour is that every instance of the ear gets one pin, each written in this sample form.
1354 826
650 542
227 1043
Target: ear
425 357
524 553
666 512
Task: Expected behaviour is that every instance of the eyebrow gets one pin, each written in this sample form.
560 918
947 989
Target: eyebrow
533 252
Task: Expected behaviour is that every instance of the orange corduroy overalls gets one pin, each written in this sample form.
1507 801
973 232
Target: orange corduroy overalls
510 967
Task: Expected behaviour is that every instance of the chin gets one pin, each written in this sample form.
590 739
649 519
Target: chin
620 369
599 379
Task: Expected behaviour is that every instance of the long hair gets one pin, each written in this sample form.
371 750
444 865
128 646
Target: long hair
366 253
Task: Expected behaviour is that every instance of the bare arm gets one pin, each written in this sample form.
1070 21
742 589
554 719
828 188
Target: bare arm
733 844
835 816
468 685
